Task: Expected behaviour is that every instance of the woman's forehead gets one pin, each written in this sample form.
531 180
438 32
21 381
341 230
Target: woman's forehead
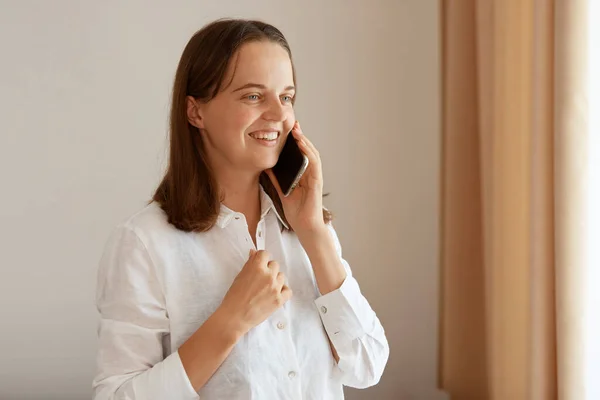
263 62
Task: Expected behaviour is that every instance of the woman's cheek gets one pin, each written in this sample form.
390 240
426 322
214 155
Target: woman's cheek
244 118
290 120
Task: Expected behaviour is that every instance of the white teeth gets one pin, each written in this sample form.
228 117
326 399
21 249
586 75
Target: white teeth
265 136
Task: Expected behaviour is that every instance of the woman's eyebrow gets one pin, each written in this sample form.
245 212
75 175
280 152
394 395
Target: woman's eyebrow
259 86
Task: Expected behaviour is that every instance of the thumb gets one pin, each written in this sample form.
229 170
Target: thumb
252 253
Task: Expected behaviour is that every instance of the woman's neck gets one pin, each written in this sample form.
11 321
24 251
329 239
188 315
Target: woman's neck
241 193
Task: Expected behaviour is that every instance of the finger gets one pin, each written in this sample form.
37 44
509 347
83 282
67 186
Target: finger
297 126
286 293
252 253
280 279
273 179
297 132
262 257
273 266
314 161
303 145
316 155
306 141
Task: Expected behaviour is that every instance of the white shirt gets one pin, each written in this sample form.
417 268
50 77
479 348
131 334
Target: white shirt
157 285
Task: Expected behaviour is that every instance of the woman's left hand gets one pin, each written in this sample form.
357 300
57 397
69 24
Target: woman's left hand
304 206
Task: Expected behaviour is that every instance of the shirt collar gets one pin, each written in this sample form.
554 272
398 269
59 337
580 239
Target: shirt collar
266 204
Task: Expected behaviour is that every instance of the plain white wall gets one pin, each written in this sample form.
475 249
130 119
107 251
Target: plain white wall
84 96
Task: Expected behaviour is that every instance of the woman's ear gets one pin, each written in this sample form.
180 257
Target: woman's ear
193 113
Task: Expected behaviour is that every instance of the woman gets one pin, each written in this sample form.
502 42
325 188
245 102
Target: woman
222 288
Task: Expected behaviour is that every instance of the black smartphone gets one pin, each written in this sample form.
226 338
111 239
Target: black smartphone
290 166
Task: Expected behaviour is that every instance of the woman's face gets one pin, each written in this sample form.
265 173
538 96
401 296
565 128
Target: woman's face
245 126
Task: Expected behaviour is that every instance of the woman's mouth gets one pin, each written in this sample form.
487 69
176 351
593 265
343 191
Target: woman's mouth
266 138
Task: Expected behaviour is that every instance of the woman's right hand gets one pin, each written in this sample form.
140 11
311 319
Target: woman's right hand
256 293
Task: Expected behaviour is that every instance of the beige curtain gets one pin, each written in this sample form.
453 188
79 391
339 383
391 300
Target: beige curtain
509 250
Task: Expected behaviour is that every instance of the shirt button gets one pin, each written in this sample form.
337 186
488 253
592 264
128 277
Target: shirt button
259 233
280 325
324 310
291 374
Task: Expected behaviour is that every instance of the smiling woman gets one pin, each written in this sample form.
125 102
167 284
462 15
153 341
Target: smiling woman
249 76
257 111
193 289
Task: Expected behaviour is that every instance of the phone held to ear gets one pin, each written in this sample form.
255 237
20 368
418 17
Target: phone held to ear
290 166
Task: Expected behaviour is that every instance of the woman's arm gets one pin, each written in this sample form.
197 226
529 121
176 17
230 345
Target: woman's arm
204 352
358 340
357 337
133 323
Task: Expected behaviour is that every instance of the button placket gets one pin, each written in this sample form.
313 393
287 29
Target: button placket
260 234
243 231
281 323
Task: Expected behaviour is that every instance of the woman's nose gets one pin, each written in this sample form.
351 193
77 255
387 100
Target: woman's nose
274 111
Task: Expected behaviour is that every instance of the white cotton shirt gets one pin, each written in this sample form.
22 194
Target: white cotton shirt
157 285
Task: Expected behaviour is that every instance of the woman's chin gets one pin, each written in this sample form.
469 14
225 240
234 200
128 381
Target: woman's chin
266 164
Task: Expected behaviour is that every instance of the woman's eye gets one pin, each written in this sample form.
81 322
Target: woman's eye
252 97
287 98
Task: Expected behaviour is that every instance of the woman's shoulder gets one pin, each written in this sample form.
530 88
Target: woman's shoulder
148 222
149 216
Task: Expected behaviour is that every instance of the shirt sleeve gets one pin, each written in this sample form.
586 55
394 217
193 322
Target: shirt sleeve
354 330
130 362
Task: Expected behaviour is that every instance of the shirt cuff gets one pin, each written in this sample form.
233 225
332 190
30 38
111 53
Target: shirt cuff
345 313
181 381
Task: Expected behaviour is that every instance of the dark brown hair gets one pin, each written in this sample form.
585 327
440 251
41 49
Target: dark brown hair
188 192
